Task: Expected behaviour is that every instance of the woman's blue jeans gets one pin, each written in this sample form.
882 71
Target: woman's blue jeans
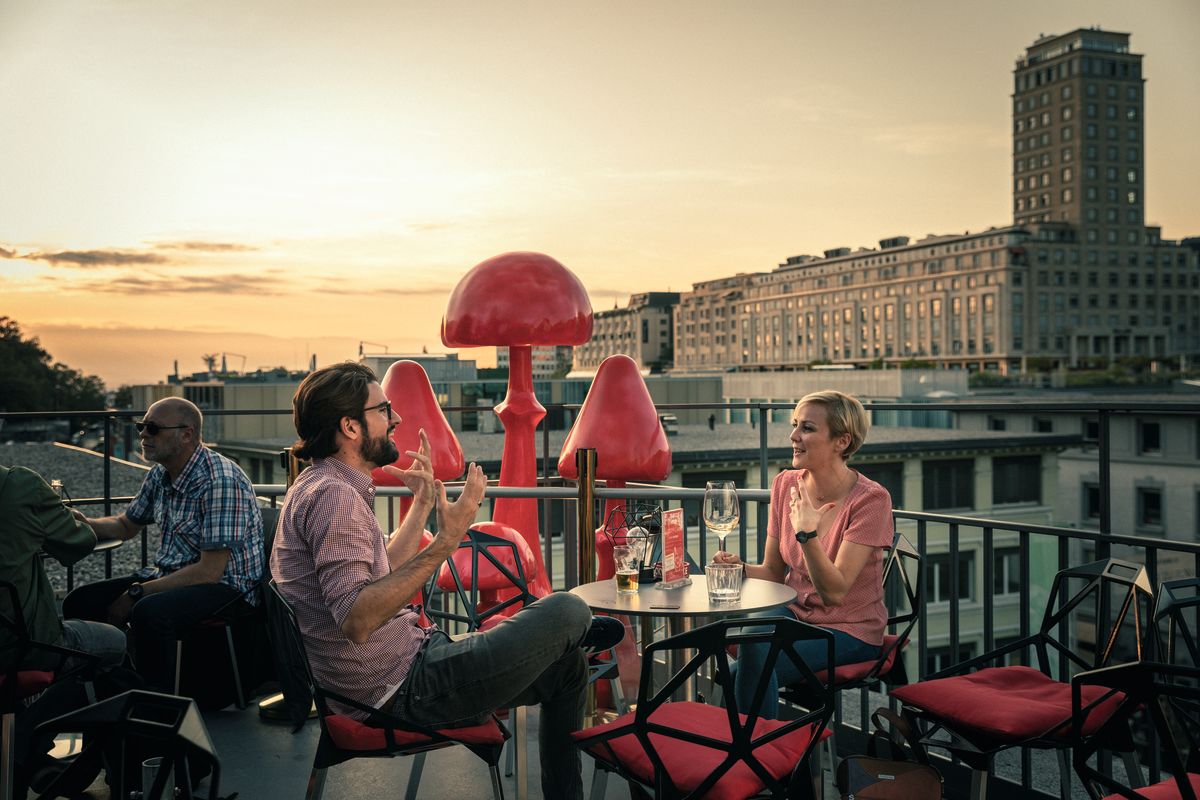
752 659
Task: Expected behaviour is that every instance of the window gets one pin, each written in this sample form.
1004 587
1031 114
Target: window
1043 425
1016 479
1091 430
948 484
1091 503
939 577
1149 437
997 424
1015 658
1149 508
940 658
890 477
1006 571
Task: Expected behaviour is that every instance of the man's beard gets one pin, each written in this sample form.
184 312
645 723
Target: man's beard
380 451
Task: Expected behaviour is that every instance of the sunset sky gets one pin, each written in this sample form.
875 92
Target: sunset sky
273 179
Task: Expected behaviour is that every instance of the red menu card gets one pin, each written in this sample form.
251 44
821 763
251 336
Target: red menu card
674 563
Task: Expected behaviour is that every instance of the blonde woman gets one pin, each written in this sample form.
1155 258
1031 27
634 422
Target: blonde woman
828 529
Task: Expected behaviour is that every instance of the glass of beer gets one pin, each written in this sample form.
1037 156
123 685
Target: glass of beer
625 557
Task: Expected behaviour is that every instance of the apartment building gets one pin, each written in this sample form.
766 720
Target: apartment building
1077 278
644 330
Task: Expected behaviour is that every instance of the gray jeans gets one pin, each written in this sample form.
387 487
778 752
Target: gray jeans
533 657
101 640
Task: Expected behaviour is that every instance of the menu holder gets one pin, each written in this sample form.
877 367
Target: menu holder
674 559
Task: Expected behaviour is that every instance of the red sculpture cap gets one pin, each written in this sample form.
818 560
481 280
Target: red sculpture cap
619 420
407 386
518 299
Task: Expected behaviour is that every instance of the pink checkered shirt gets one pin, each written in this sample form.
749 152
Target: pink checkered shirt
328 547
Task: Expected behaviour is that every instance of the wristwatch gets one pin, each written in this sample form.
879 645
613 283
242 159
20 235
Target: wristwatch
135 591
804 536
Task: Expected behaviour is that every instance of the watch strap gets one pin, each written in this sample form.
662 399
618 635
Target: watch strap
804 536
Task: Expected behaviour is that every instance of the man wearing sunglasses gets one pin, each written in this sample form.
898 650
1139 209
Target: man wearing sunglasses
350 586
211 553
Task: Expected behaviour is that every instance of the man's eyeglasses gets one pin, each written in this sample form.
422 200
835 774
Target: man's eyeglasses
153 428
385 407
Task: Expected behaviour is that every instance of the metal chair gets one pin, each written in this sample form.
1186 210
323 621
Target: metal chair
236 612
975 711
383 735
903 581
689 750
1167 698
19 687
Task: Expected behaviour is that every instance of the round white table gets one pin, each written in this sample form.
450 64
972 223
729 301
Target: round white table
681 605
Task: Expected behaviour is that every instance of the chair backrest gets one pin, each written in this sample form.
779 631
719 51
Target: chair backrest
903 589
293 642
1177 621
1112 595
1168 695
711 645
480 545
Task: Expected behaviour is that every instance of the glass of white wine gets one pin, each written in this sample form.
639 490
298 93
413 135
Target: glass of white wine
721 512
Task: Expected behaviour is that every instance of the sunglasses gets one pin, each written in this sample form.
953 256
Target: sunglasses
385 407
153 428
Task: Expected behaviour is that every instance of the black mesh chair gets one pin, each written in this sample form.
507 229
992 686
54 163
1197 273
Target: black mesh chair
382 735
688 750
20 683
1161 697
144 722
1096 615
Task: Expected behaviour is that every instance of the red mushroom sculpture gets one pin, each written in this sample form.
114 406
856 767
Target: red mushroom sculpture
619 421
407 386
518 300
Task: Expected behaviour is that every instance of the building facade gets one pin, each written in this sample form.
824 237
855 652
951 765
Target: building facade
550 361
644 330
1078 278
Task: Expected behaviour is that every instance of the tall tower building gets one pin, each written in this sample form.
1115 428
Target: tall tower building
1078 143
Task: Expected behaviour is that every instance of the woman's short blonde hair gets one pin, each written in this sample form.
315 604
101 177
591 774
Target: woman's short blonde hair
844 414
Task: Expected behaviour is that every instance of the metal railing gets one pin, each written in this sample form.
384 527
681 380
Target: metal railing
953 532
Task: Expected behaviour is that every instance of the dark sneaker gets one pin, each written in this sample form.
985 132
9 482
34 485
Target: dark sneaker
604 634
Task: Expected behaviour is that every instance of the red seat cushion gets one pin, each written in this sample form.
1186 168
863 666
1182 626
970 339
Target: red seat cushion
689 764
846 673
351 734
1004 704
1164 790
30 681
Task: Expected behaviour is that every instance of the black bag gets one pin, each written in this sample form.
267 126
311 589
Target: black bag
906 775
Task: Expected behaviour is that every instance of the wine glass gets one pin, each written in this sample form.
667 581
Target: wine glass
721 513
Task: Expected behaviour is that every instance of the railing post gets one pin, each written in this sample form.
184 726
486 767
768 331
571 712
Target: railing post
1104 441
585 567
108 443
760 517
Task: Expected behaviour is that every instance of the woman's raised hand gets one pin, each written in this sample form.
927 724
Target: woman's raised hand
803 514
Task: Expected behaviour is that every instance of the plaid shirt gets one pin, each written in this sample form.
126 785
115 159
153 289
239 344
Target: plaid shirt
327 549
210 506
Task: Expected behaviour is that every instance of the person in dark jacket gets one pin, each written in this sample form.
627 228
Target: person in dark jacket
35 523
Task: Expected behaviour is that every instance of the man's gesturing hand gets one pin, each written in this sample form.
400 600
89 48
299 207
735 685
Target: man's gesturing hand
455 518
419 476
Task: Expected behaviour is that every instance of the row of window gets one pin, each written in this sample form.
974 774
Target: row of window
1092 90
1067 155
950 483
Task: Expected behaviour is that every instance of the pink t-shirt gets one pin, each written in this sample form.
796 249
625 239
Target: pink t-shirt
864 518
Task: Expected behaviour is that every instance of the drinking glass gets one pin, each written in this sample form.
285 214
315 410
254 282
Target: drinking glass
721 512
627 561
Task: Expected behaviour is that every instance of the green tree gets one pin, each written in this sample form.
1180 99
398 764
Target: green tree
30 381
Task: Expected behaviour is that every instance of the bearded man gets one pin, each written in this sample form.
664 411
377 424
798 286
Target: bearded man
350 586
